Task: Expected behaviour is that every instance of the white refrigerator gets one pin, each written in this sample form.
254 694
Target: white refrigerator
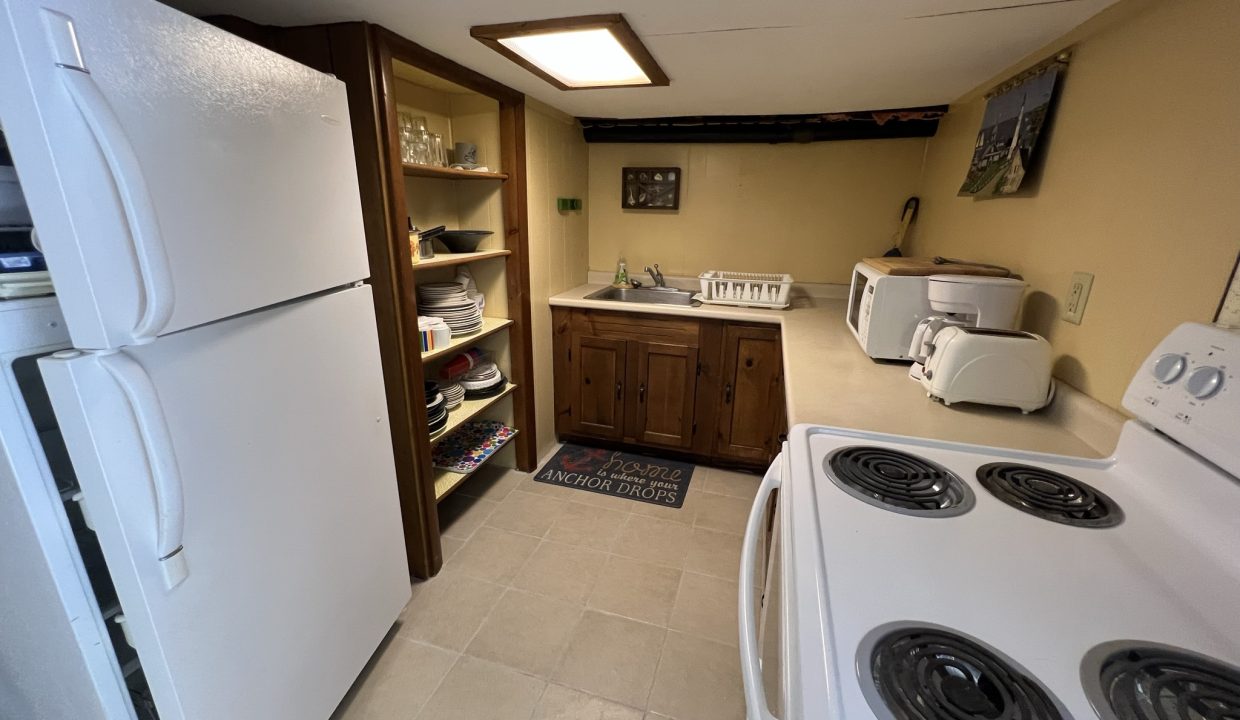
220 399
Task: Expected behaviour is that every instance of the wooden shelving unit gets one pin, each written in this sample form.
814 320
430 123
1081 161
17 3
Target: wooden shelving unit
442 260
461 106
383 73
447 173
459 113
446 481
490 326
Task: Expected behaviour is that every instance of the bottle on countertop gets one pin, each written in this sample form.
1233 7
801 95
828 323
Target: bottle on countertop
622 273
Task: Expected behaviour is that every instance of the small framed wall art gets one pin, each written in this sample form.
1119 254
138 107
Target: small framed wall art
650 188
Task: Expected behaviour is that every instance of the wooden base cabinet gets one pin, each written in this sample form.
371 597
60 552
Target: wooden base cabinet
703 390
597 385
753 393
666 388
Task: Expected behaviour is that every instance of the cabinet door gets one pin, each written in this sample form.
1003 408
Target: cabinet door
598 366
750 415
666 387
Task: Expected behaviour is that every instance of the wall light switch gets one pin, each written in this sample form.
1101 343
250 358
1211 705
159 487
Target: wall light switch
1078 295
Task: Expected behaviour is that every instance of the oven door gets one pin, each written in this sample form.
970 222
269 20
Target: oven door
770 615
761 600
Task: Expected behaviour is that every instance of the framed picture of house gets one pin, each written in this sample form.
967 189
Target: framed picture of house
650 188
1011 126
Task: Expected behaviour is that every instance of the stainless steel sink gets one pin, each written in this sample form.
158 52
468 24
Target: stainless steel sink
659 296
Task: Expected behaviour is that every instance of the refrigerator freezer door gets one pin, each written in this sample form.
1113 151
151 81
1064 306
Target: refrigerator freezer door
258 448
176 174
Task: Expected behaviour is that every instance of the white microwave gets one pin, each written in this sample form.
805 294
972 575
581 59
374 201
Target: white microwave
883 311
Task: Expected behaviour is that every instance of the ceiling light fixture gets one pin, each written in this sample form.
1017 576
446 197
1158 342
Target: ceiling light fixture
577 53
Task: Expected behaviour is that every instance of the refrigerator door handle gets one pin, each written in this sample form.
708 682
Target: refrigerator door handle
161 458
105 126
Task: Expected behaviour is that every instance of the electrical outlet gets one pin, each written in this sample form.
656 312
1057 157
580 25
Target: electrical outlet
1078 295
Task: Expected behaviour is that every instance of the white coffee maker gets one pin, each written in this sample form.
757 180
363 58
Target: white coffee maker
965 301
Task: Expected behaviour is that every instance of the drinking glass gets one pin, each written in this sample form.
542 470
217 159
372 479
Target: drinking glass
438 156
421 142
404 127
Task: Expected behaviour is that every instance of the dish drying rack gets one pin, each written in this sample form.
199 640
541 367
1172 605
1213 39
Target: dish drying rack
765 290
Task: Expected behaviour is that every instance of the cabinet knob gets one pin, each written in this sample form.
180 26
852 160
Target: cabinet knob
727 394
618 386
641 393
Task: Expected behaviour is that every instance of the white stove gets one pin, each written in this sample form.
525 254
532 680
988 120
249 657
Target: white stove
912 578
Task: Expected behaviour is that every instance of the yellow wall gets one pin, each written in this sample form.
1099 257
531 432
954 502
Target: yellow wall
1140 187
809 210
556 160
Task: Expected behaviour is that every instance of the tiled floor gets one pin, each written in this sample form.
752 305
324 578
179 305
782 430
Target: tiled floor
563 604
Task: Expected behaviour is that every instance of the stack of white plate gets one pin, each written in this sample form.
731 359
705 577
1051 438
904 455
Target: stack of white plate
452 393
483 381
450 302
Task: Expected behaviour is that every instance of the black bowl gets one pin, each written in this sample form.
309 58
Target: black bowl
462 241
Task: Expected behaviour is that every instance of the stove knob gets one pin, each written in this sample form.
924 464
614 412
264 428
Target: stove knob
1204 382
1169 368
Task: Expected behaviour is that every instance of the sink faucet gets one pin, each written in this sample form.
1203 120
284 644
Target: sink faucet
656 276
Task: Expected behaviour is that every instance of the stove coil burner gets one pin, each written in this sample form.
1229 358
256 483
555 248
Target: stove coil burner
928 674
898 481
1154 683
1049 495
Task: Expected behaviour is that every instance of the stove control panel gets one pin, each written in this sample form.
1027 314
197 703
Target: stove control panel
1189 388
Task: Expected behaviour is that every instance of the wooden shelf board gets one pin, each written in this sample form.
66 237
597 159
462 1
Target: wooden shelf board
469 409
450 259
489 325
434 171
446 481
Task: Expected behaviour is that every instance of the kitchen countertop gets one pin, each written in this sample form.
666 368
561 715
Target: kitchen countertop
830 381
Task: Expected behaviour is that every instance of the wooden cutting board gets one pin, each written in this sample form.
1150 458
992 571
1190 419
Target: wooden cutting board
927 266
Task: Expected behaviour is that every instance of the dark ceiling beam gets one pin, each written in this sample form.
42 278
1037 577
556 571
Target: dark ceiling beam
868 125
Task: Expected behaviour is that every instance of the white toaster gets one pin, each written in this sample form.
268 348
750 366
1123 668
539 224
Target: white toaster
991 366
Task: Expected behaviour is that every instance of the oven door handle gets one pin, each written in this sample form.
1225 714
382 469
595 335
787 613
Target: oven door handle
756 707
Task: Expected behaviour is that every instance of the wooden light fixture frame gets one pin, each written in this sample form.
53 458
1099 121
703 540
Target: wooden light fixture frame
490 35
